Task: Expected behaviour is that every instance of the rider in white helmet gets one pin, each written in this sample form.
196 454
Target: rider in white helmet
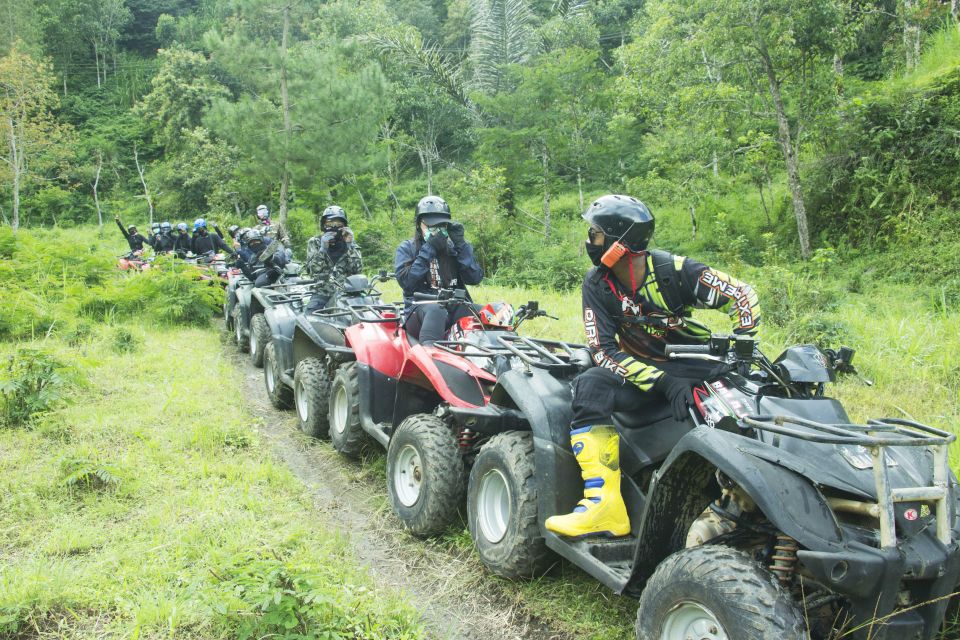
269 229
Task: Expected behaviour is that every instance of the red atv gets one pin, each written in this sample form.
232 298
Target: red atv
429 392
133 261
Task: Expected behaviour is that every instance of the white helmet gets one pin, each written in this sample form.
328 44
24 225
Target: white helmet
263 212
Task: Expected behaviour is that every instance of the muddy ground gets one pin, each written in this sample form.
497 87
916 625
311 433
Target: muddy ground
447 585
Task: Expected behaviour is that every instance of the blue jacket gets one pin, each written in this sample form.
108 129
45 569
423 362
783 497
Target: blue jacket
414 273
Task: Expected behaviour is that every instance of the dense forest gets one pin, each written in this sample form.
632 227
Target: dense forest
821 125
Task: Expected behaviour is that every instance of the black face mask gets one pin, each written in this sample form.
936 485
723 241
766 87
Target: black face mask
596 251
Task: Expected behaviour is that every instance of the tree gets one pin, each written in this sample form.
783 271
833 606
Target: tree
501 33
31 135
104 21
302 112
776 59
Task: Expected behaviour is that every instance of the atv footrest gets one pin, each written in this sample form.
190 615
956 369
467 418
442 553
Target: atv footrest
612 551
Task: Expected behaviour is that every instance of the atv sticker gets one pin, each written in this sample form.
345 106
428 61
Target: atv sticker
859 457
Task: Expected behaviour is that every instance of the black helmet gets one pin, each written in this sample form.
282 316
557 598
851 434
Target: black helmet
622 218
333 212
252 236
432 210
132 229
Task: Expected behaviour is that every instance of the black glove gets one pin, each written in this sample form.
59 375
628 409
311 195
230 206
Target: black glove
678 393
439 243
455 231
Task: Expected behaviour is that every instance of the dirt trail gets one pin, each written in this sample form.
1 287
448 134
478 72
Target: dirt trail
456 598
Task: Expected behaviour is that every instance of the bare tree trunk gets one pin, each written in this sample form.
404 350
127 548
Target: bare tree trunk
146 192
16 166
96 183
580 186
715 162
789 153
763 201
546 192
386 132
356 185
838 73
64 84
96 58
911 34
287 126
693 221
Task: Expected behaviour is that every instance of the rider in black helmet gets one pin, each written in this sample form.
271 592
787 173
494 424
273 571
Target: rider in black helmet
437 257
130 234
331 256
635 302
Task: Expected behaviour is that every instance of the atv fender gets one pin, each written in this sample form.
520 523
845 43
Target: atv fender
243 299
544 402
685 484
282 320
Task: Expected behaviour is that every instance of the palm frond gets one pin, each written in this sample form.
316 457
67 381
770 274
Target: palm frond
434 65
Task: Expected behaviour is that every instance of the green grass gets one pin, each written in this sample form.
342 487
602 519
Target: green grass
200 519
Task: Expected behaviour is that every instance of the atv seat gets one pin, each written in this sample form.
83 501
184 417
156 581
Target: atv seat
647 438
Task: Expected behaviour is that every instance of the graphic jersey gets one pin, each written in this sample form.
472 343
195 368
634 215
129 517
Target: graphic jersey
626 330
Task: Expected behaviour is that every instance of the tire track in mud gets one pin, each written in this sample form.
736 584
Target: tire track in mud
450 589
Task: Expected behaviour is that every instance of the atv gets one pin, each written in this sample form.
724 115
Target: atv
306 346
245 305
766 514
134 261
391 379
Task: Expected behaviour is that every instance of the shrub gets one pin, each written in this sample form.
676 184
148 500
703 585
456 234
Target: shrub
88 474
124 341
31 384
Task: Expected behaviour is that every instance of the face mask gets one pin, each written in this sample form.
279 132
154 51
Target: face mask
595 251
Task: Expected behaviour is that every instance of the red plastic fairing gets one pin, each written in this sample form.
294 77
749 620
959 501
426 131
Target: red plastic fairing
421 369
376 345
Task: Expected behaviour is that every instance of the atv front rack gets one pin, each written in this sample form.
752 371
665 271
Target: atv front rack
875 437
534 352
361 312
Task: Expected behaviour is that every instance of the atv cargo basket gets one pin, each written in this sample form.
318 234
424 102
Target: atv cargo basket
543 354
361 313
875 437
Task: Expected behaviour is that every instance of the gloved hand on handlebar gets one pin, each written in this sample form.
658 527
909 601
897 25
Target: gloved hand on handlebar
439 243
678 393
455 232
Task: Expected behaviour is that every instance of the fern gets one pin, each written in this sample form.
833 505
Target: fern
567 9
428 60
85 473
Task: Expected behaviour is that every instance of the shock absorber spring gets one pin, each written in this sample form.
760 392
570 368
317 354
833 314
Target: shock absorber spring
466 439
783 562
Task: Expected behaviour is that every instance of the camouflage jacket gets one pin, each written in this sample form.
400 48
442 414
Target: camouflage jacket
327 266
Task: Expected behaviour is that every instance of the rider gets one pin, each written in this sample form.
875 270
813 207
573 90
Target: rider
437 257
203 243
163 241
265 259
134 239
635 302
332 256
181 241
269 228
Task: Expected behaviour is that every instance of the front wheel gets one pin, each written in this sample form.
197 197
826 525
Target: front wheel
279 394
259 337
346 434
311 396
716 593
425 474
238 329
502 508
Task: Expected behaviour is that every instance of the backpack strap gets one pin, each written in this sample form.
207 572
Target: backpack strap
668 281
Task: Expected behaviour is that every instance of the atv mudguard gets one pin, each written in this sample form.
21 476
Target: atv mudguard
243 300
685 484
545 402
282 320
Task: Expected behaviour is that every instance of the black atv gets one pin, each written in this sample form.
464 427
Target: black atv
245 305
304 348
765 515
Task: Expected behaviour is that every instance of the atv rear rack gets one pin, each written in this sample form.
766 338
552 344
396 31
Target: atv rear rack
362 312
875 437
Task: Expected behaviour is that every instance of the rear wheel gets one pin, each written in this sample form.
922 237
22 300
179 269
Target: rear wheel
311 396
280 395
346 434
259 337
716 593
426 478
238 329
502 508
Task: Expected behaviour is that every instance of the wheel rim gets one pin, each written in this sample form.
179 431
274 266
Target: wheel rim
493 506
340 409
303 411
408 476
692 620
268 372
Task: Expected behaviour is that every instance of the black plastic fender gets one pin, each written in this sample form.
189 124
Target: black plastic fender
282 320
684 486
545 402
243 299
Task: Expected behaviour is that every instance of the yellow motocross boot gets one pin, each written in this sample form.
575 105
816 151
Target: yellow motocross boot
601 512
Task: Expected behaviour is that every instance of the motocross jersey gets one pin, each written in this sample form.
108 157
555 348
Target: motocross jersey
627 332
